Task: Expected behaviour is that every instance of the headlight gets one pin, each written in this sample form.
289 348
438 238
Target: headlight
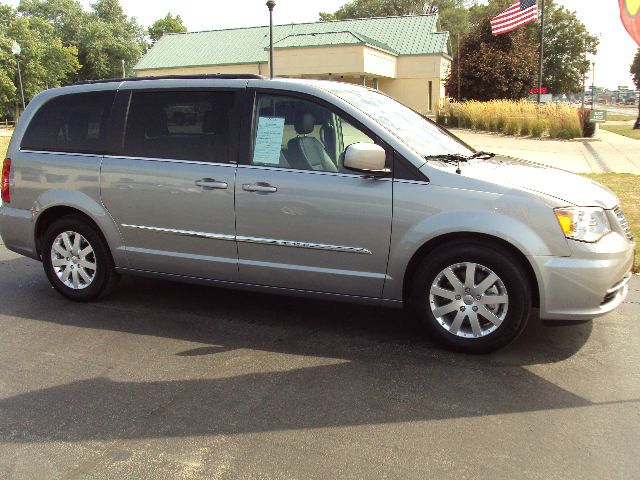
586 224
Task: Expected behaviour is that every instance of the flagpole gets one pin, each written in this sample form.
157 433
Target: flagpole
541 51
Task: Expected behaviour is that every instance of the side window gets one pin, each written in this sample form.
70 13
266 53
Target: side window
179 125
75 123
295 133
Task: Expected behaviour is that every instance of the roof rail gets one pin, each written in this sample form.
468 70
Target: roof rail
242 76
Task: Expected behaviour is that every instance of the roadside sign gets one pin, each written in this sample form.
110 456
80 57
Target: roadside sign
623 87
598 116
535 90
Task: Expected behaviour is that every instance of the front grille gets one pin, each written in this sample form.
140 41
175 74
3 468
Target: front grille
622 220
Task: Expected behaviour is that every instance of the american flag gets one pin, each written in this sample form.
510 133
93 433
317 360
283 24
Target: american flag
517 15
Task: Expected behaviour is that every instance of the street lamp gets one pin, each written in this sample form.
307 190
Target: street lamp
270 5
16 50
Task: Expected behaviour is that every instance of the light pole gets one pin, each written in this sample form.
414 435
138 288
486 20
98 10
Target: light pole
16 50
270 5
593 87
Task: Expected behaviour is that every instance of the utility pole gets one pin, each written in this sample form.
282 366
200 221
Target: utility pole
458 55
541 52
584 74
593 87
270 5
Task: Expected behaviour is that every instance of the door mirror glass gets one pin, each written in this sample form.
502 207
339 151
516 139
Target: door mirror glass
365 157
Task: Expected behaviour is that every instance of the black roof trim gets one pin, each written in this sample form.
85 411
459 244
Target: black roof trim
243 76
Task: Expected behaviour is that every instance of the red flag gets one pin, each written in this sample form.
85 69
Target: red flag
630 15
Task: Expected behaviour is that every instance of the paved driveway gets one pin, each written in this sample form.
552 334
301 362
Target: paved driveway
167 380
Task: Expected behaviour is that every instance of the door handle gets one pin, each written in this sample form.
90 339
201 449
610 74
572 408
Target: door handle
211 184
259 187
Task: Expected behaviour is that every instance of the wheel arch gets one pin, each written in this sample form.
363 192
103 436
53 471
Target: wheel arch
51 214
481 238
56 204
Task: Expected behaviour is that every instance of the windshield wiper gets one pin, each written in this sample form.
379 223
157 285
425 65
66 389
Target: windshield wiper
451 157
482 155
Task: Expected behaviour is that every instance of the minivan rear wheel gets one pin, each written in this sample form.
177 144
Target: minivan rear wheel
76 259
470 297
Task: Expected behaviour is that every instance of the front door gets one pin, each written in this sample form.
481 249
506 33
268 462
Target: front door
171 188
303 221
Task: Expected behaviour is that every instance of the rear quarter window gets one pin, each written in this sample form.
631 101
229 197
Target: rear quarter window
74 123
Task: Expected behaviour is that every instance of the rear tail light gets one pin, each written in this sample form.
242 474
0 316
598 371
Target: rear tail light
6 172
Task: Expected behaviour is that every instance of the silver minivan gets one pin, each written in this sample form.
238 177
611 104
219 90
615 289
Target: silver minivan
306 188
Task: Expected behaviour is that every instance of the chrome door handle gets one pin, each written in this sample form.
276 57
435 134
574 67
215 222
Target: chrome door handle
259 187
211 184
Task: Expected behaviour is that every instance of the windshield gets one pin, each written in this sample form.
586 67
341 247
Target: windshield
423 135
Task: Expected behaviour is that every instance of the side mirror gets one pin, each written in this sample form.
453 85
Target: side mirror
366 157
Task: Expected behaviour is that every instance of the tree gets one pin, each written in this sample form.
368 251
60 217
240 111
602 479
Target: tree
108 38
635 71
104 36
566 43
493 67
45 61
453 14
168 24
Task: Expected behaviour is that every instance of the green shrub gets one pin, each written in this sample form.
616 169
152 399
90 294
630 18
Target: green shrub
538 127
525 126
512 127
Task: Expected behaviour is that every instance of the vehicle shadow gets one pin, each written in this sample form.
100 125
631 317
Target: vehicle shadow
382 370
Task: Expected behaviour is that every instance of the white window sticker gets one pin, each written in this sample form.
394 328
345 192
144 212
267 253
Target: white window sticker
268 140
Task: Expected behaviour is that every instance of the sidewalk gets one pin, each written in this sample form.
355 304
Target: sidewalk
609 153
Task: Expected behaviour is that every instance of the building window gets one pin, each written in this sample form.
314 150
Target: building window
430 95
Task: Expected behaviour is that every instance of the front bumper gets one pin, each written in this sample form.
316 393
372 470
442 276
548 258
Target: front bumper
591 282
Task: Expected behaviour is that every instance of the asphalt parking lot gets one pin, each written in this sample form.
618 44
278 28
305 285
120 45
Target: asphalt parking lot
165 380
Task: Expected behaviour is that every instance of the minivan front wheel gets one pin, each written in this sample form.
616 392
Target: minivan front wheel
472 298
76 259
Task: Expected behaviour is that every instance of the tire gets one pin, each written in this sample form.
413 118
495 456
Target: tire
88 282
464 316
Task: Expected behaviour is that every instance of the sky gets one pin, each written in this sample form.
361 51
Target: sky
601 17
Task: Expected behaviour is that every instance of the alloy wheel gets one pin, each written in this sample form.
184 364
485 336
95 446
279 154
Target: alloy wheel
73 260
468 300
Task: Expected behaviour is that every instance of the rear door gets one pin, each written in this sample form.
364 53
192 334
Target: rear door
170 183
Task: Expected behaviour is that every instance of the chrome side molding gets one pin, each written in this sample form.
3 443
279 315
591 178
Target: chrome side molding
186 233
311 246
257 240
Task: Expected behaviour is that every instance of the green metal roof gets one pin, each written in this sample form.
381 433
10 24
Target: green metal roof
406 35
333 39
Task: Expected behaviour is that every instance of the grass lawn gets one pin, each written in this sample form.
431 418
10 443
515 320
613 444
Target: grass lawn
616 117
626 130
4 144
627 187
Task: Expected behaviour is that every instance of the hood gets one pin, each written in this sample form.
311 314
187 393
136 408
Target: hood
567 187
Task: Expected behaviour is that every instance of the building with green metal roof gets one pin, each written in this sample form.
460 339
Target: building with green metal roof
406 56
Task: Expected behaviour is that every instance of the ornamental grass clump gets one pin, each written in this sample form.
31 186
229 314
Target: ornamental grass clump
563 121
513 118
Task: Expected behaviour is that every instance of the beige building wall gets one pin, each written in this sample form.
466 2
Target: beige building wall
411 86
318 60
405 78
377 63
340 60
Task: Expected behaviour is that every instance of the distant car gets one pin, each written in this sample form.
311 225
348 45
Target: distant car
307 188
630 101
